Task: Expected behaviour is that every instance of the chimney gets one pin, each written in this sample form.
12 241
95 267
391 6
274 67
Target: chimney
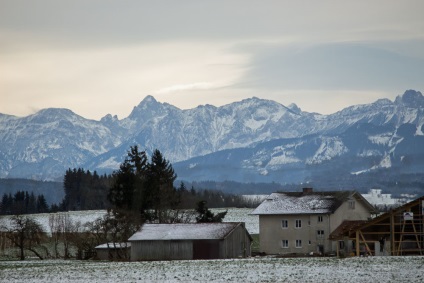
307 190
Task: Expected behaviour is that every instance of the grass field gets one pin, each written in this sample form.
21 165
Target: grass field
367 269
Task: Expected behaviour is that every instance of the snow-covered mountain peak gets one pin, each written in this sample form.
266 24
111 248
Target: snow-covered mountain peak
411 98
54 112
146 109
109 119
149 100
59 138
54 115
293 107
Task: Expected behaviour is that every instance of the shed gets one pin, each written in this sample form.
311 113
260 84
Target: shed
190 241
113 251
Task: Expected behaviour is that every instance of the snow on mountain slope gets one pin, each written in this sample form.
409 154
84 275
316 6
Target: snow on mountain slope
50 141
45 144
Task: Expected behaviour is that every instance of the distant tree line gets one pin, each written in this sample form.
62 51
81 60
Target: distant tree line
23 203
142 190
85 190
52 190
151 186
138 185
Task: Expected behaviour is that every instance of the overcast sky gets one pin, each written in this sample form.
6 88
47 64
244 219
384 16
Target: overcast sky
103 57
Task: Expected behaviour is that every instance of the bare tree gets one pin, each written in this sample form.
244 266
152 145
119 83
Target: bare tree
114 229
25 233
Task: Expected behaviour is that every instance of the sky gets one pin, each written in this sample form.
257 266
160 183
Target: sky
103 57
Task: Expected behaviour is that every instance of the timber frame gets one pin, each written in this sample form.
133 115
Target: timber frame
397 232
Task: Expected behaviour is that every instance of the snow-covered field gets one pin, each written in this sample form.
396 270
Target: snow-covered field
369 269
233 215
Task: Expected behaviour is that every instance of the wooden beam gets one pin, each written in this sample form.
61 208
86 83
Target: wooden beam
392 233
400 239
398 233
365 242
416 237
357 242
337 248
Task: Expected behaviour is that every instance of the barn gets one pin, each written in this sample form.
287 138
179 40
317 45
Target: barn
190 241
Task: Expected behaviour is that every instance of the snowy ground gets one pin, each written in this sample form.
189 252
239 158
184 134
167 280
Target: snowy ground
370 269
233 215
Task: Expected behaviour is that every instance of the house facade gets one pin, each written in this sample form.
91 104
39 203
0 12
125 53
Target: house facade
301 222
190 241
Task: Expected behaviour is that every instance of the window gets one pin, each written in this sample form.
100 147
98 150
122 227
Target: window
298 243
320 234
352 204
285 244
298 223
284 223
320 218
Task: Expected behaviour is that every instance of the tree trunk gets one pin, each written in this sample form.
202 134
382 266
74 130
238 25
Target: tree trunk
21 246
36 253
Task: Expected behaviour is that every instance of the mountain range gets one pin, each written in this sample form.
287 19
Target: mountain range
253 140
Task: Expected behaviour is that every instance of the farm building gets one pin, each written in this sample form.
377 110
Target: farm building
301 222
113 251
190 241
397 232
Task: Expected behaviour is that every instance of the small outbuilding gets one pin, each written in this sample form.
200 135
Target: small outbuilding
190 241
113 251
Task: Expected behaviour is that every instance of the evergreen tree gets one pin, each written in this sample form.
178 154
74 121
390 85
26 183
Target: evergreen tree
6 204
42 206
85 190
207 216
31 203
126 192
145 188
161 194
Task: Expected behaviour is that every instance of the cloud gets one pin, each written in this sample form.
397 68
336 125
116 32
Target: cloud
79 53
332 66
188 87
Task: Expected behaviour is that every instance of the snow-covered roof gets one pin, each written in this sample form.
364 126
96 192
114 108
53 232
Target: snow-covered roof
114 245
187 231
302 203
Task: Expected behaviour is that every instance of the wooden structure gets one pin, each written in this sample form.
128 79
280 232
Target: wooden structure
397 232
190 241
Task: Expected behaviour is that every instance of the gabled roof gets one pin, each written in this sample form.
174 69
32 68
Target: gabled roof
187 231
307 202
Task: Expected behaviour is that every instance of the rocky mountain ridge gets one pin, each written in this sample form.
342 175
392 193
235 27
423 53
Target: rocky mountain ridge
45 144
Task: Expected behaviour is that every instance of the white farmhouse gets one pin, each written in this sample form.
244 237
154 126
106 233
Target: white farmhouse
301 222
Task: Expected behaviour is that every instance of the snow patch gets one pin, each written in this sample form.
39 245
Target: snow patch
110 163
284 158
328 149
383 139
